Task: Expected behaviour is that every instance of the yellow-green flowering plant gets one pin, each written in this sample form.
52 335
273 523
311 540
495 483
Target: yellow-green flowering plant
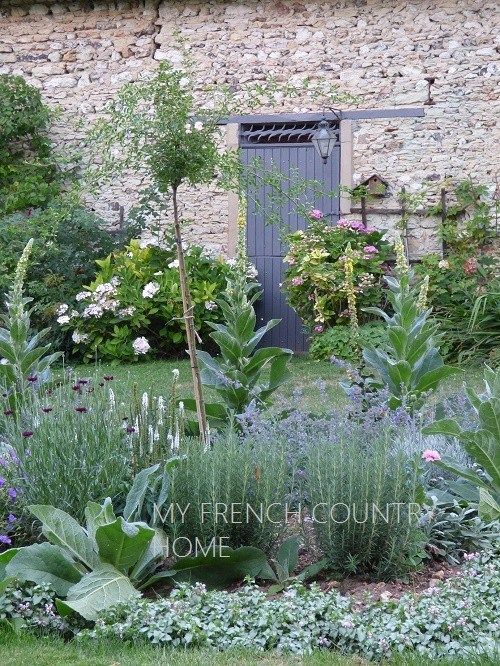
315 278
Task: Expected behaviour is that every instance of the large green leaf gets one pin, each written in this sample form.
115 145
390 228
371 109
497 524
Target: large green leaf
5 558
63 530
122 544
463 472
489 509
98 590
152 557
489 413
97 515
137 492
43 563
218 568
485 450
287 554
431 379
443 427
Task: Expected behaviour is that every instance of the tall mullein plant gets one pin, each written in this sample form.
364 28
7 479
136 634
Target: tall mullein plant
409 365
244 376
24 363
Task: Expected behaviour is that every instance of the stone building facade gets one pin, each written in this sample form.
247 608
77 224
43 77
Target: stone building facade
387 51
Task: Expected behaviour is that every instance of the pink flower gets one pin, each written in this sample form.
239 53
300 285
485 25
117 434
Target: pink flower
318 328
297 281
316 214
370 249
430 456
470 266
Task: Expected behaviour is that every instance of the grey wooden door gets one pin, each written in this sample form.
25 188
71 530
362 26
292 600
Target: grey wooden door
264 245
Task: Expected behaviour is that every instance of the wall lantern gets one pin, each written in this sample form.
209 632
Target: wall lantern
324 140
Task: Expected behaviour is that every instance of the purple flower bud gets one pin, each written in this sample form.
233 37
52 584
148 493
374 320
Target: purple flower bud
5 539
27 433
81 410
11 518
12 493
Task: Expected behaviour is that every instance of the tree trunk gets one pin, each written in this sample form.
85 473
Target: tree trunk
189 320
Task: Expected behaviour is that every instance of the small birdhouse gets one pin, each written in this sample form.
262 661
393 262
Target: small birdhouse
375 186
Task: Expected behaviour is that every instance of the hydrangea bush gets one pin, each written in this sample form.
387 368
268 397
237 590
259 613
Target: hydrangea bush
315 280
454 618
134 306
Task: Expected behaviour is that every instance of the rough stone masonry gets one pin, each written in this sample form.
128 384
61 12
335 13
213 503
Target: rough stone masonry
79 53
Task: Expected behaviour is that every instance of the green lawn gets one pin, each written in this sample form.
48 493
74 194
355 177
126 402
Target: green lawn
21 650
317 381
314 384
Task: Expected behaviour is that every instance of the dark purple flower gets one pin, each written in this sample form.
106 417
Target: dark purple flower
47 410
27 433
32 378
2 481
101 383
11 518
12 493
83 381
108 378
8 412
130 429
5 539
76 387
81 410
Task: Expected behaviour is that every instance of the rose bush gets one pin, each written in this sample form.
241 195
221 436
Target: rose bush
134 307
315 282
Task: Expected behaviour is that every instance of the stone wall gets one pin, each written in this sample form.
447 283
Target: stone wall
79 53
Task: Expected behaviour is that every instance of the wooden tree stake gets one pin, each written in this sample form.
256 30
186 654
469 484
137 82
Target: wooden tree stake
189 320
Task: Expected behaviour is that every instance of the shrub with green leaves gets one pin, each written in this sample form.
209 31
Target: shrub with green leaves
482 445
230 473
338 341
133 307
67 240
315 281
364 505
464 293
28 174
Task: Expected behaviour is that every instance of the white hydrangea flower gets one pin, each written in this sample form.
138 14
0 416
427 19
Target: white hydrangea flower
175 373
78 337
92 311
198 125
174 264
63 319
62 309
141 345
83 295
127 312
210 305
150 289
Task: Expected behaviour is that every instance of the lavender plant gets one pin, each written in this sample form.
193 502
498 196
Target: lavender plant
71 445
